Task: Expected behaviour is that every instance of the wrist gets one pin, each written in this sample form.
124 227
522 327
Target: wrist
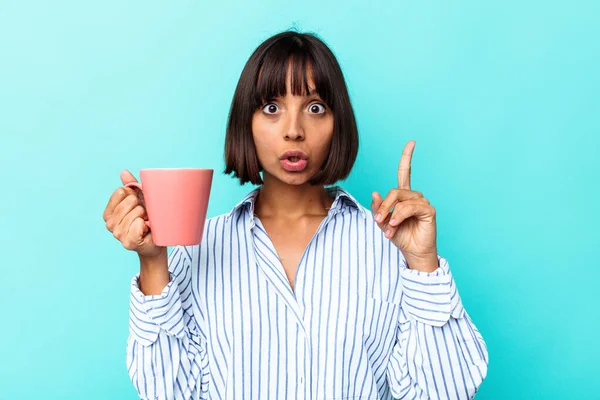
154 274
424 264
156 262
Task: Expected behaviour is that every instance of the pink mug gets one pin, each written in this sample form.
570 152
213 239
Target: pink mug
176 203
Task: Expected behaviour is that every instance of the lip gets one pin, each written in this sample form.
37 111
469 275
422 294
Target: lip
294 153
296 166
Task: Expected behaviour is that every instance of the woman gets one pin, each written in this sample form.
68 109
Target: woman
299 291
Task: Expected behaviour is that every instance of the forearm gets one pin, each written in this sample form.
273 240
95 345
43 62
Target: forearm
154 273
172 368
448 361
166 350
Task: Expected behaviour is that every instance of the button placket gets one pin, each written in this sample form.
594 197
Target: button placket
304 370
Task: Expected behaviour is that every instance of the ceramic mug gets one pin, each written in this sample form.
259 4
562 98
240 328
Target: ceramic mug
176 203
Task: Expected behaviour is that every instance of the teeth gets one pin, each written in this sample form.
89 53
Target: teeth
293 159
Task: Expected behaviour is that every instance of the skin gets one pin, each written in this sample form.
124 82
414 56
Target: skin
288 206
287 123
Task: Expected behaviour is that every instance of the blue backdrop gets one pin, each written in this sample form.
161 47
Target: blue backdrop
500 96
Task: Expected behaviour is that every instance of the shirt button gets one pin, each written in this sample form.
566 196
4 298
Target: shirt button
301 380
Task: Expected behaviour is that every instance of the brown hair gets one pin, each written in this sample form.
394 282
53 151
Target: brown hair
264 78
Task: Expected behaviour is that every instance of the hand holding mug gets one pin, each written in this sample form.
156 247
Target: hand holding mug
126 217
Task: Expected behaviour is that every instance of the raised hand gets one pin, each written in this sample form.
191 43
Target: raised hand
408 219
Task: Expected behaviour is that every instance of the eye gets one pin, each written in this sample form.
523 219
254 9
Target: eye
270 108
317 108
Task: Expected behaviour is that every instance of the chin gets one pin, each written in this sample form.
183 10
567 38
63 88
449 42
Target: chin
295 179
292 178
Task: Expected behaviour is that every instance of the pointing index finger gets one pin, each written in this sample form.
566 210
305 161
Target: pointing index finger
404 166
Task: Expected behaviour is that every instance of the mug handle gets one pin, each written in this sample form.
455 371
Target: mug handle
139 186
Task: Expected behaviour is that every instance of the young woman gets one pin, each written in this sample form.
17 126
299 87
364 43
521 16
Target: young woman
299 292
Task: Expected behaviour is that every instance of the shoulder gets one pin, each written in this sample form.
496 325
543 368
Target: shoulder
209 230
357 212
359 220
216 230
214 227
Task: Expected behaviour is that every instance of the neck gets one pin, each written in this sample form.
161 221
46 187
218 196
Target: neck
277 199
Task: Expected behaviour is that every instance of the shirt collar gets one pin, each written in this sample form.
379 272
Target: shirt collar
337 192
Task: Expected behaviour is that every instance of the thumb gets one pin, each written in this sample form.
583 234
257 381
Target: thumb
127 177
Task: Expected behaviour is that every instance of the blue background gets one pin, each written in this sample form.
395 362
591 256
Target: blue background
500 96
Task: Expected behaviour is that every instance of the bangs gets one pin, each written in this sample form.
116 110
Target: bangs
271 79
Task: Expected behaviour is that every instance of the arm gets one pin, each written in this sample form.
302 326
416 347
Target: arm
166 350
439 353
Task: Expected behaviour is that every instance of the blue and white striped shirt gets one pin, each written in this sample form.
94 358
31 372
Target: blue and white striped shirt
358 325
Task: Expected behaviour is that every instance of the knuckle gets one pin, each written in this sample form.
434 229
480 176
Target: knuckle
132 199
118 232
389 199
110 224
121 192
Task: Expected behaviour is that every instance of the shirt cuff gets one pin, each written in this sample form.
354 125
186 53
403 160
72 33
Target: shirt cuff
430 297
149 314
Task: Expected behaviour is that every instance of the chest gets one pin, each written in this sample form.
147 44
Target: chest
340 321
290 242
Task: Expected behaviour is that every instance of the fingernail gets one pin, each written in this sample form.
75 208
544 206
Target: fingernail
393 221
378 217
387 233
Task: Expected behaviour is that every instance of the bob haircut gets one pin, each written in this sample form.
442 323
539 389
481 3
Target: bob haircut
264 78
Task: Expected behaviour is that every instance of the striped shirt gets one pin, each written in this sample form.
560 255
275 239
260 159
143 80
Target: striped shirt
359 323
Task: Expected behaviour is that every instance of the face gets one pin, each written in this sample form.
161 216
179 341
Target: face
291 122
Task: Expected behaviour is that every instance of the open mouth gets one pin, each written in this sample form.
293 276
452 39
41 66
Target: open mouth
293 164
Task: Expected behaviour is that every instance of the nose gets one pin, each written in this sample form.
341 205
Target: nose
294 129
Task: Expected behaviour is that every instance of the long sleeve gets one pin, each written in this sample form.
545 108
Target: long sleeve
438 353
166 350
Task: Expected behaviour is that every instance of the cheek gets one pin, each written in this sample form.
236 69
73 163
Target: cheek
325 126
262 140
259 135
324 135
